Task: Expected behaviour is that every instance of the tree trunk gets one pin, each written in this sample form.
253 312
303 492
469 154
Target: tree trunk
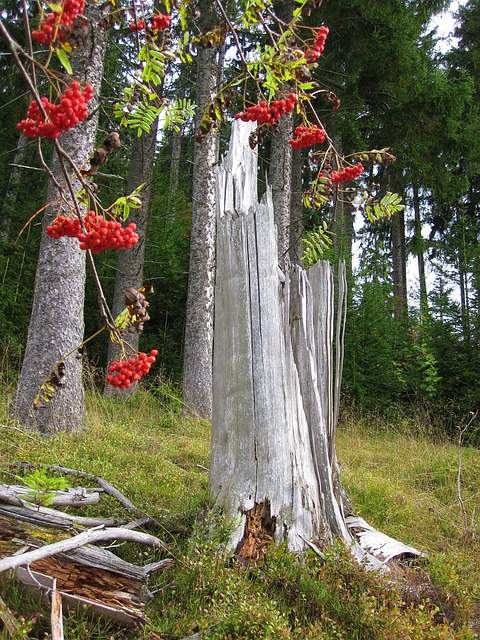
13 186
280 170
297 226
130 262
399 266
280 180
198 346
56 324
273 465
420 256
273 455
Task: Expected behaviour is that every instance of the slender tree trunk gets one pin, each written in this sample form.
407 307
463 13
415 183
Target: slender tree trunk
399 258
463 281
14 183
198 346
297 226
343 229
280 180
420 256
175 163
280 170
130 262
56 325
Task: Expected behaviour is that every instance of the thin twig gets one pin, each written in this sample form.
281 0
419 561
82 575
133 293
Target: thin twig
8 426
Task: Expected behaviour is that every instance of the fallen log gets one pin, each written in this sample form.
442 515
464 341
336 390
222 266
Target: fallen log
106 486
40 545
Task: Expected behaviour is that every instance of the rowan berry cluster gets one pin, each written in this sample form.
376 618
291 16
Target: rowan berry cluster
268 114
103 235
307 137
312 55
58 24
158 22
346 174
62 226
60 117
99 234
123 373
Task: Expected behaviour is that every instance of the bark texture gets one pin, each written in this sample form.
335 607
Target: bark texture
399 256
56 324
273 457
198 346
280 180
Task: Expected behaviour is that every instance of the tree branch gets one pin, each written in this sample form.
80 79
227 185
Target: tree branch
86 537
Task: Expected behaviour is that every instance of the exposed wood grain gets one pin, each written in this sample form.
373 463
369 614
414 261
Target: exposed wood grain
56 616
52 518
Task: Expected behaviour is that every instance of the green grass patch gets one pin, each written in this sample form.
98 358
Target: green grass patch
404 485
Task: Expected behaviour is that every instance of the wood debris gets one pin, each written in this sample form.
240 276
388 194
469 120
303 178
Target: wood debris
55 558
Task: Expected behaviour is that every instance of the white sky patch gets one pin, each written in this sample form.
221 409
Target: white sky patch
445 26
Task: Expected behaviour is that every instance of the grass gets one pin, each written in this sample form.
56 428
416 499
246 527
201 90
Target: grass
402 484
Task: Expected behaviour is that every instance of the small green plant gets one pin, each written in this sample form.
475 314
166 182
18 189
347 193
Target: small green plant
43 486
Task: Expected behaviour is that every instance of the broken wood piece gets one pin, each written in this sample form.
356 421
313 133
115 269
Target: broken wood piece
125 616
106 486
11 624
86 537
46 517
379 544
56 616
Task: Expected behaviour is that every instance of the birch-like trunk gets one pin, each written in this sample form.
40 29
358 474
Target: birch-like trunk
273 453
56 324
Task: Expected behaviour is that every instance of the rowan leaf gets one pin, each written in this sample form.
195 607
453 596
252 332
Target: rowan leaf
62 56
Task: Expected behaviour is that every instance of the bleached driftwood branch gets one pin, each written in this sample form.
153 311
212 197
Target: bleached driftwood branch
74 497
86 537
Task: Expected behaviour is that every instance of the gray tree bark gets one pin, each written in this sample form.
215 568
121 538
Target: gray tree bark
198 346
280 180
297 226
56 324
130 263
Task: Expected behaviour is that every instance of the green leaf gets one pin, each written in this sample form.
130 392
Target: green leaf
62 56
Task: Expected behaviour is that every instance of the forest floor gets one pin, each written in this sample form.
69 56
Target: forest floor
423 493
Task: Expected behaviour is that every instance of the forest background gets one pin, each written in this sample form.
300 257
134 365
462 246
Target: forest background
411 345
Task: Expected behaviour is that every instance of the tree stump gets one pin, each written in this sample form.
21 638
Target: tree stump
274 381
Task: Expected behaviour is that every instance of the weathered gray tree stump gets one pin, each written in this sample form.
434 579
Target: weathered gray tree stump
276 382
273 454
